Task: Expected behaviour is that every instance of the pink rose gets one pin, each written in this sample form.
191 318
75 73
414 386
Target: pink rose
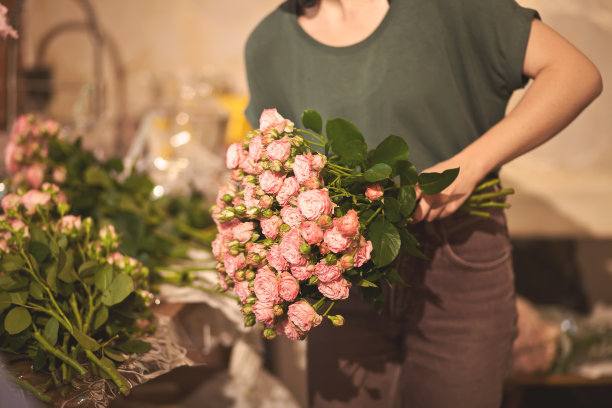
264 313
279 150
242 290
265 202
271 182
276 259
35 174
302 272
314 203
52 127
250 166
348 224
250 197
270 226
6 30
335 241
68 223
291 216
235 156
18 225
256 147
290 188
222 281
364 252
303 316
286 328
10 202
219 246
271 119
317 162
311 232
9 158
312 183
290 248
374 192
288 287
33 198
243 231
59 174
301 168
335 290
229 189
233 263
266 286
327 273
226 229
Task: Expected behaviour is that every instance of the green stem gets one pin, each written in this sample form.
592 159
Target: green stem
90 312
488 196
318 305
316 136
121 381
311 143
329 308
490 204
59 354
486 184
26 385
61 321
373 215
75 310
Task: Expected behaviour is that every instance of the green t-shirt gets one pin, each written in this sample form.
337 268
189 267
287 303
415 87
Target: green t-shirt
437 72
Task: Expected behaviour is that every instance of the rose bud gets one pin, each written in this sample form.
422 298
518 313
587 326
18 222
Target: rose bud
249 320
347 261
265 164
239 275
267 213
289 163
325 221
229 281
234 250
252 212
240 209
237 175
337 320
252 284
266 201
268 241
276 166
297 141
251 299
247 310
250 179
269 334
255 236
226 215
305 249
253 259
227 198
249 275
330 259
312 183
278 310
220 267
284 228
374 192
323 248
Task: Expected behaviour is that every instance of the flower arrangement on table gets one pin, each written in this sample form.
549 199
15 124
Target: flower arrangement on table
80 248
307 217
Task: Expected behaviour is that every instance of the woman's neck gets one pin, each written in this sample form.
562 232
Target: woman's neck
342 23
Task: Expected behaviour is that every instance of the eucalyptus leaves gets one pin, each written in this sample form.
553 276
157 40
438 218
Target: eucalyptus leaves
68 300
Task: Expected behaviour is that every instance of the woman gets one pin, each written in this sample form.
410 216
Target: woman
439 73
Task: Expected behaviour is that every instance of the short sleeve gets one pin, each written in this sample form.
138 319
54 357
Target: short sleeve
500 30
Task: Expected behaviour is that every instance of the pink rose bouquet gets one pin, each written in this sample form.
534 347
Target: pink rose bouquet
308 217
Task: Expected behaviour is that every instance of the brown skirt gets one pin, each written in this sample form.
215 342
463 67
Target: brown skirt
444 341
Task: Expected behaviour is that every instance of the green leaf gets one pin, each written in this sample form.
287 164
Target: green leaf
36 291
115 355
119 289
6 282
39 250
394 277
34 263
86 267
392 209
51 330
408 173
67 273
19 298
38 235
385 241
433 183
410 244
62 241
407 199
17 320
390 151
98 177
378 172
52 276
346 141
115 164
84 340
312 120
366 284
374 297
135 346
103 277
12 262
5 301
101 317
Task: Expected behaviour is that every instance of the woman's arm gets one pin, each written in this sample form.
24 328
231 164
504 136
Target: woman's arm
565 82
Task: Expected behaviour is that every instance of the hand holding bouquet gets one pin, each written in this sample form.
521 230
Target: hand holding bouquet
308 217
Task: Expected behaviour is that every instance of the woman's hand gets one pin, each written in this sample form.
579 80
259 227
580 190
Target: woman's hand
443 204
